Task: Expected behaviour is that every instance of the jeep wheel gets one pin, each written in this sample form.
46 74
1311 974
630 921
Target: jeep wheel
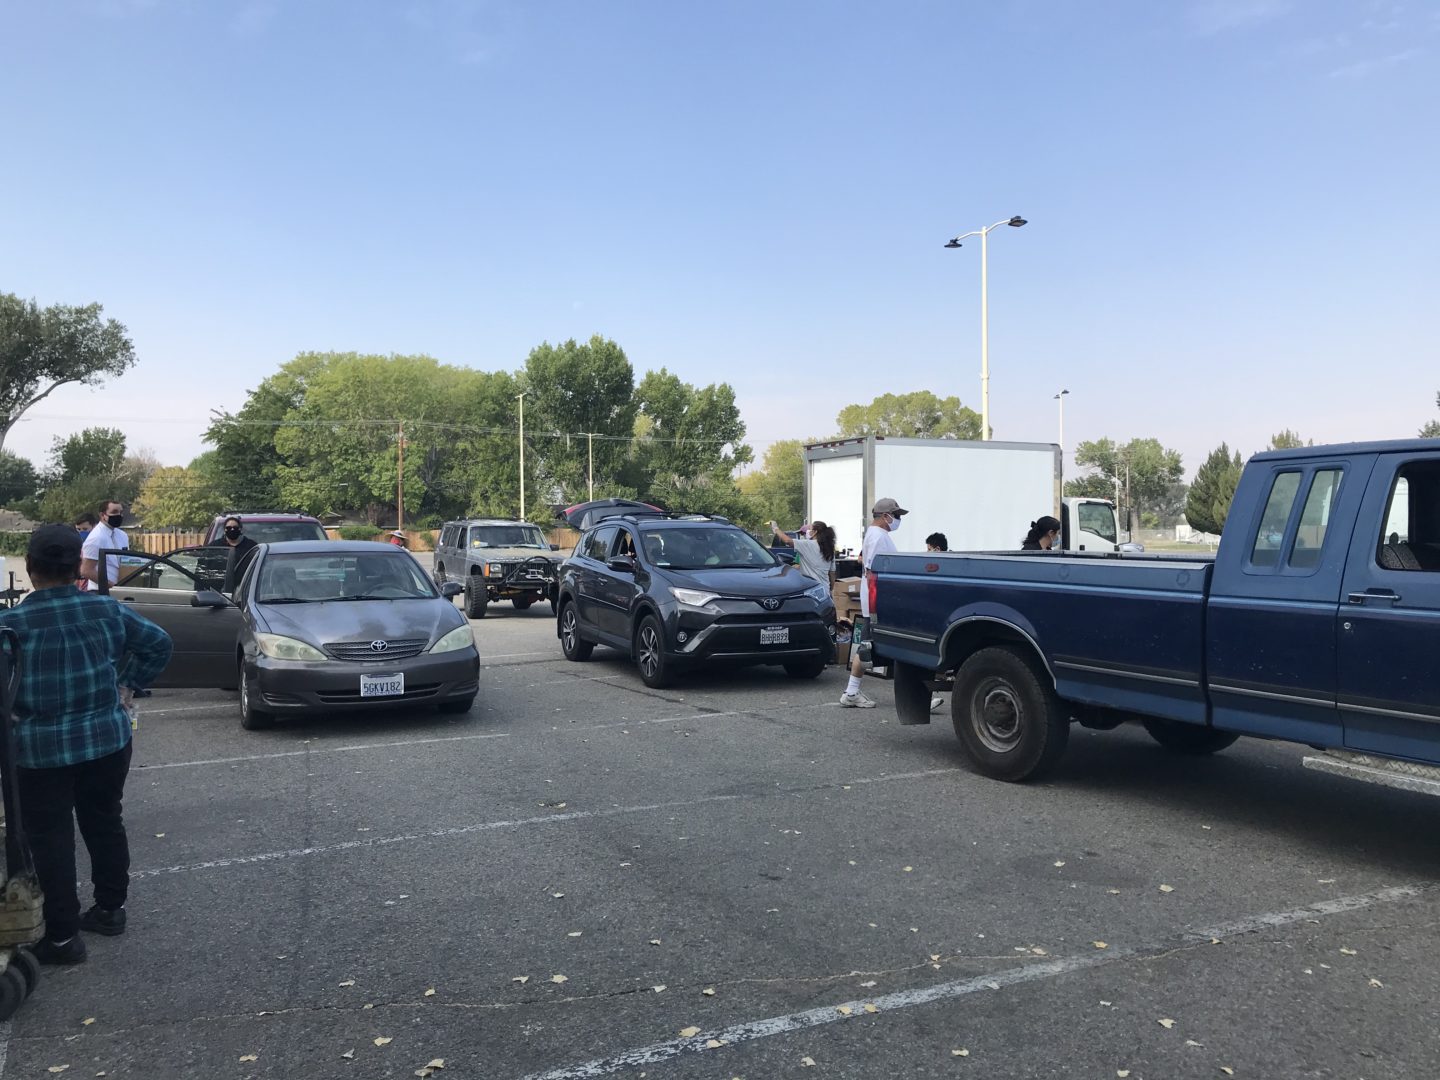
477 599
571 643
650 653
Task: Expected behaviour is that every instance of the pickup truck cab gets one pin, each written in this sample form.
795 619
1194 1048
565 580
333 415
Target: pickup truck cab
1317 621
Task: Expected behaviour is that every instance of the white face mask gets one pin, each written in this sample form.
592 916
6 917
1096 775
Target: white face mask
894 524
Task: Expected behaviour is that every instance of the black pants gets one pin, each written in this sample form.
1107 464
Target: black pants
51 802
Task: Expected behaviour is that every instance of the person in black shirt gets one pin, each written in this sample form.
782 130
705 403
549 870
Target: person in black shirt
1044 535
234 536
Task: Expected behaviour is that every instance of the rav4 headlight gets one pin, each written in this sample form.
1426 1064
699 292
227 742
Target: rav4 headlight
693 597
819 591
454 641
279 647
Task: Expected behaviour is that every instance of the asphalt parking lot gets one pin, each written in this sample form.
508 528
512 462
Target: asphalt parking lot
735 878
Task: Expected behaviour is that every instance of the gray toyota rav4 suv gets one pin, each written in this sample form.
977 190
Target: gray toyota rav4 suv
497 560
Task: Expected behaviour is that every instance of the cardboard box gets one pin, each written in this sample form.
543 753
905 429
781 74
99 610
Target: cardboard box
846 594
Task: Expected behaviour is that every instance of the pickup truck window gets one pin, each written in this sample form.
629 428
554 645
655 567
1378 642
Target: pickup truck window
1315 519
1271 534
1410 538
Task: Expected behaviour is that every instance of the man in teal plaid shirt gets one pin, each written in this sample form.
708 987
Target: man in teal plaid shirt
81 657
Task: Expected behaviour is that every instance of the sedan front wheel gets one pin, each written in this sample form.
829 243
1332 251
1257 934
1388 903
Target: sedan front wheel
252 718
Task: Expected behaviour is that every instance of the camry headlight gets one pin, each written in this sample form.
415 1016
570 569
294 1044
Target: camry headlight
693 597
819 592
457 639
279 647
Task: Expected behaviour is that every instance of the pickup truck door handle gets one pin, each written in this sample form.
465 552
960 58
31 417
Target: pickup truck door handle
1389 596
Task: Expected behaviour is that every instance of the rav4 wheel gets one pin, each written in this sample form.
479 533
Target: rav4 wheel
571 643
477 599
1187 738
650 653
1007 716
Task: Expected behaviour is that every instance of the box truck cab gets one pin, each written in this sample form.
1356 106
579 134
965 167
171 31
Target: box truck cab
1088 525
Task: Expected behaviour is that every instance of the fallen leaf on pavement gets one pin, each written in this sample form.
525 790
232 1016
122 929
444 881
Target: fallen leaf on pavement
689 1032
1167 1023
57 1068
709 991
1167 888
1227 1070
1105 1003
713 1044
659 989
654 941
348 1055
558 895
558 979
1377 984
521 979
1192 1042
959 1053
249 1057
908 869
159 836
430 992
807 1061
348 982
933 957
575 933
871 1008
1059 862
869 984
1039 951
1122 1073
88 1021
1100 944
368 1006
844 1010
1347 952
1113 892
383 1040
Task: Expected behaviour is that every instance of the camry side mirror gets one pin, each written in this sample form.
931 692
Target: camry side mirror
451 589
208 598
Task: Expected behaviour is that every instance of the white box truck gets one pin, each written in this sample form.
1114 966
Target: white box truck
981 495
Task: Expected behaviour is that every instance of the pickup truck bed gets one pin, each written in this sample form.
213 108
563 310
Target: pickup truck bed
1318 621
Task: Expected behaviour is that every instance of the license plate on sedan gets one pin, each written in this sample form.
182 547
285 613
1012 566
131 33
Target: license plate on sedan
774 635
382 685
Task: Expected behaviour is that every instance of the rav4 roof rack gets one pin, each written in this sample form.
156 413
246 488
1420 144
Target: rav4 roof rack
667 515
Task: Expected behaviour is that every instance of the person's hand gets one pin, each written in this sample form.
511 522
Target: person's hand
127 697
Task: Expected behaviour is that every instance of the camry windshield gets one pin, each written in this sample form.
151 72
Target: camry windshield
316 576
705 548
507 536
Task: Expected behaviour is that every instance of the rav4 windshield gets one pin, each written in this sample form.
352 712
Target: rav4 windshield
505 536
701 548
317 577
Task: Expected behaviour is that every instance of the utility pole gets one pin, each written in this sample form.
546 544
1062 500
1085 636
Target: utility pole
400 481
522 454
590 449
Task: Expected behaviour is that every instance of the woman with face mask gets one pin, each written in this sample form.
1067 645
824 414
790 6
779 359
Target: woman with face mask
234 536
1044 535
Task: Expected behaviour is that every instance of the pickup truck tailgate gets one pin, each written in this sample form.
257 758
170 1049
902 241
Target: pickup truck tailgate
1125 633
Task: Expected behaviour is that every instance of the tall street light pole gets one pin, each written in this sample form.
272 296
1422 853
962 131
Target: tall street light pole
984 234
521 399
1060 397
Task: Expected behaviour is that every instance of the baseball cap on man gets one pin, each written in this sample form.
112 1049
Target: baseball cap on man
888 506
54 544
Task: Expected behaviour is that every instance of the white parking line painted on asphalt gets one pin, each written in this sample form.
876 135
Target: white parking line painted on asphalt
904 999
512 823
323 750
512 655
147 713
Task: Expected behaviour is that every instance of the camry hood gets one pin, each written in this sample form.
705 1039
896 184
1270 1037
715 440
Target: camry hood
768 581
327 621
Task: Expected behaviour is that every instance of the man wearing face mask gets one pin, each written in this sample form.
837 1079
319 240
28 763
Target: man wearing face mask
104 536
234 537
885 519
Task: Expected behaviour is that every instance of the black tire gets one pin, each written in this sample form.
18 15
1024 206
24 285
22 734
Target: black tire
476 598
571 643
1007 716
649 653
12 992
24 961
523 602
806 669
1190 739
461 705
252 718
439 574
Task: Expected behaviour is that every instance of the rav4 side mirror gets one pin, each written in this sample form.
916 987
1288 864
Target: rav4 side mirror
208 598
623 563
451 589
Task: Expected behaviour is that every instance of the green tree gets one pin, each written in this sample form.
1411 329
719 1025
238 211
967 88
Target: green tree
572 388
87 467
180 497
918 415
1288 440
92 453
18 479
42 349
776 491
1146 470
1432 429
1212 479
691 444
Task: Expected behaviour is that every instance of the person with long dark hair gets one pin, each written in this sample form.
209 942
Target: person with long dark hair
815 554
1044 535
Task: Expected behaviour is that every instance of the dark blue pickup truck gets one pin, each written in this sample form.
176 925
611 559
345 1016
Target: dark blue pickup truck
1317 622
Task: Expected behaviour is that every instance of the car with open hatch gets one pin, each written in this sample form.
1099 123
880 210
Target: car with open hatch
268 526
679 591
311 626
493 559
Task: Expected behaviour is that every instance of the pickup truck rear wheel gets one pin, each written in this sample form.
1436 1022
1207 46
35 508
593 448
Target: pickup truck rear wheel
1007 717
1187 738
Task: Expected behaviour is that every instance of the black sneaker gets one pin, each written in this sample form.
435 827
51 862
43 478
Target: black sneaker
60 952
107 921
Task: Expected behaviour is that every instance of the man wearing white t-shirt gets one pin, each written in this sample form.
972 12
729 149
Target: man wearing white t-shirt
105 536
885 519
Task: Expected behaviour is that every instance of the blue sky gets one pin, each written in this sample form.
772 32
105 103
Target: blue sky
1232 203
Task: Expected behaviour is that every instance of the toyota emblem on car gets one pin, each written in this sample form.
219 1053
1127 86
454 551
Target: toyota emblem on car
770 603
379 646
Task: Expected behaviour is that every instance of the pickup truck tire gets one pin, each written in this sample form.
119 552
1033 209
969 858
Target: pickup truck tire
1187 738
1007 717
477 599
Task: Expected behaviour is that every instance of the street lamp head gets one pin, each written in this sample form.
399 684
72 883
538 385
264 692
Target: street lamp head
954 243
1016 221
1061 394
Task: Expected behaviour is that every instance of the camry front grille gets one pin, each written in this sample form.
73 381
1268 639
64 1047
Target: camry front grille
376 650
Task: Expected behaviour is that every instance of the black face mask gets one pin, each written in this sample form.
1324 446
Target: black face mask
114 520
232 533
